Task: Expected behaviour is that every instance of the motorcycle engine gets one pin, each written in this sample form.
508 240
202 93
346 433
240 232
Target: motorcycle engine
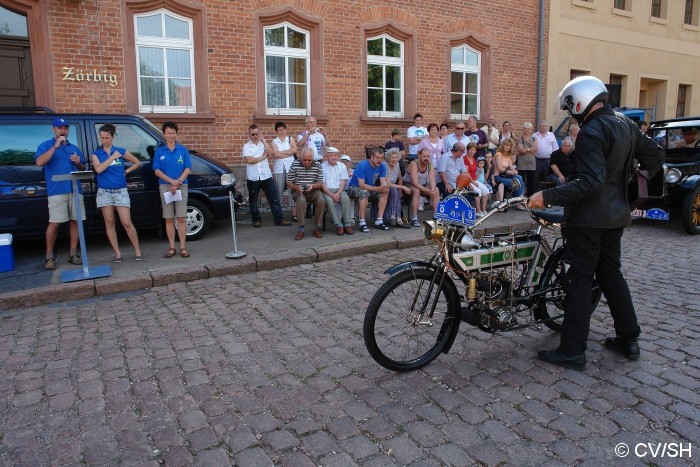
494 286
498 319
491 311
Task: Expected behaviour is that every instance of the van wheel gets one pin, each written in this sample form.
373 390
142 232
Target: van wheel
691 212
198 219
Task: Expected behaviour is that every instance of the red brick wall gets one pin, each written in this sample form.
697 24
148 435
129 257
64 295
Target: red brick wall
89 36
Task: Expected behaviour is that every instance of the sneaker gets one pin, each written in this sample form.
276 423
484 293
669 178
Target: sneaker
421 208
381 226
415 223
363 228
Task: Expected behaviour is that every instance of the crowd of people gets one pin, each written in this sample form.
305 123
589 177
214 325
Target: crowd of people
318 178
417 172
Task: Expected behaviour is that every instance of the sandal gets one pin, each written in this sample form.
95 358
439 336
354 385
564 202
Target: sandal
184 253
170 253
50 264
75 259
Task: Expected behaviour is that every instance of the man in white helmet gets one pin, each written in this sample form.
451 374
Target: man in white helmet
597 210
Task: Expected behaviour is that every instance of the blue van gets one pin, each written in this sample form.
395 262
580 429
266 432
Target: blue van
23 200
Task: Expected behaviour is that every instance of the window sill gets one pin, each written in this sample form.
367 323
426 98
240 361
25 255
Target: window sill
583 4
321 120
691 27
178 117
661 21
380 120
625 13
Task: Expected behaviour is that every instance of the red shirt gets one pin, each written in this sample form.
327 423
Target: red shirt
471 167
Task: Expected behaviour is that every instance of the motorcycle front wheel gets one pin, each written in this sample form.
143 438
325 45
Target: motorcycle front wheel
398 330
550 306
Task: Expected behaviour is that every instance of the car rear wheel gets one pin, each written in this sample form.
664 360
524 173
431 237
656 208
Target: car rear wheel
691 212
198 219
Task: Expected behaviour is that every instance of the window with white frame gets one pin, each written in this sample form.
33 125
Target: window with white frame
165 59
465 82
287 90
385 68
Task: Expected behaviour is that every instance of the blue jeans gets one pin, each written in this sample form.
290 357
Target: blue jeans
268 186
508 183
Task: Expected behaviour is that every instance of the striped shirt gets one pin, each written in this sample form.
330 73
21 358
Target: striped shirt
300 175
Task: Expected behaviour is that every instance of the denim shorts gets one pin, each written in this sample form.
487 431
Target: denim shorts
118 197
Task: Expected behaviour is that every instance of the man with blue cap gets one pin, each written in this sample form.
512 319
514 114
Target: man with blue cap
59 157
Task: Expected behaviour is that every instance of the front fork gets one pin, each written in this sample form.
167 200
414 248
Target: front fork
422 318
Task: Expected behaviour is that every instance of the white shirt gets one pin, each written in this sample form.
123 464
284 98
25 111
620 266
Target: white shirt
546 144
261 170
333 174
280 166
451 139
492 136
316 142
451 167
415 132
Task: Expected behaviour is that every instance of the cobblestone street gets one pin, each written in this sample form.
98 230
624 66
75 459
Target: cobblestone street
270 368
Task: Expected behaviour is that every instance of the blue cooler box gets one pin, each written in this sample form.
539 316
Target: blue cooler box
7 256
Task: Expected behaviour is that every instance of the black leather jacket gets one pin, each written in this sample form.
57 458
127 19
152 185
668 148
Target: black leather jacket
597 199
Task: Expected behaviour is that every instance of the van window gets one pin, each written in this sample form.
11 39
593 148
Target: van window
19 142
134 139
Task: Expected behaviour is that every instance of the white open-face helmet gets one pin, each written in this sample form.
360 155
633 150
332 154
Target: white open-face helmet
580 94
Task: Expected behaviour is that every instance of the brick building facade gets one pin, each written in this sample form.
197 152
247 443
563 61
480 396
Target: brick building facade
84 56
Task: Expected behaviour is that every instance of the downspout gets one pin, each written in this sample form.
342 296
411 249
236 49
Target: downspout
540 53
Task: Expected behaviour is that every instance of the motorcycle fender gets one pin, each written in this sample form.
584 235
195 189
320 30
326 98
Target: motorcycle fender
409 265
689 183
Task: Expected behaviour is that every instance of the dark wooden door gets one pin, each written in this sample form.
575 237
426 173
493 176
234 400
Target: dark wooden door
16 80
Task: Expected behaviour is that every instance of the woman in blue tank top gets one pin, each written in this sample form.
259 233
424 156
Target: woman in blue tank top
108 164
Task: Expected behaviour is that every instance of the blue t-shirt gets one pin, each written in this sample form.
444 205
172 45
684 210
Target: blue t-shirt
171 163
59 164
113 176
366 172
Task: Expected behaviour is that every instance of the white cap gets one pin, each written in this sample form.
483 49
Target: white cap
331 149
345 157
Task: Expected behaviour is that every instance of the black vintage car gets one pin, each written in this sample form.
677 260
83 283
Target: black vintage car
23 203
676 189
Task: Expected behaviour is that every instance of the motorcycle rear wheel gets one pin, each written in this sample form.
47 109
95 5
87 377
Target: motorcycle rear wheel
394 335
551 304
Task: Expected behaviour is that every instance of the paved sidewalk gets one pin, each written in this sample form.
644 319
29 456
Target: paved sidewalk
266 248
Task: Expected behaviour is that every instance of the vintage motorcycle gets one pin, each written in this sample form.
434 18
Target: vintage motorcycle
498 282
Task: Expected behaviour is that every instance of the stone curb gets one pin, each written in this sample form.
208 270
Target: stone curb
114 285
86 289
46 295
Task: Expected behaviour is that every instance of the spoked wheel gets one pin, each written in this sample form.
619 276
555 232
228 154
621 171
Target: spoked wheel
399 331
550 306
691 211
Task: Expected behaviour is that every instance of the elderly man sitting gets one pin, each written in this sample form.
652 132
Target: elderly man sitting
305 180
563 163
335 177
